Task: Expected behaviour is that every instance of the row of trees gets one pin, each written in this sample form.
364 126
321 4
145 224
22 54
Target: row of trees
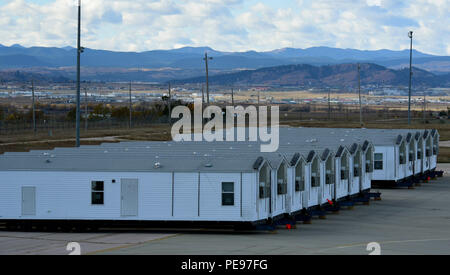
96 112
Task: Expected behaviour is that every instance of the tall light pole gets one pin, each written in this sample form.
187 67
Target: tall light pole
206 58
203 93
79 51
410 35
359 92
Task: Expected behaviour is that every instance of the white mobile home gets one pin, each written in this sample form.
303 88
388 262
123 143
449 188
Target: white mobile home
111 188
359 151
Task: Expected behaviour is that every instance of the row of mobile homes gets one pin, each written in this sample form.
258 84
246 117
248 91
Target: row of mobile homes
107 188
353 156
400 156
204 182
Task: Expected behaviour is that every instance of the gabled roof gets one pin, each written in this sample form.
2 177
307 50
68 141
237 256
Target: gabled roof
326 153
399 140
311 156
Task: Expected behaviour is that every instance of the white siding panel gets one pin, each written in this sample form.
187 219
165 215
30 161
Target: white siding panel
186 196
155 196
211 207
250 195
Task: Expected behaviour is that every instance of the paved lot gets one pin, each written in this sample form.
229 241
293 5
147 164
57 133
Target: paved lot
29 243
404 222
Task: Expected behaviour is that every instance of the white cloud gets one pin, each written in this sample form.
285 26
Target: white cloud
230 25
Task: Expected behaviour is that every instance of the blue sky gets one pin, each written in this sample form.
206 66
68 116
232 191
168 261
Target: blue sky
229 25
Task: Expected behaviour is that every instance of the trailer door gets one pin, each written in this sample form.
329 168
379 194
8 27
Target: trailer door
129 197
28 201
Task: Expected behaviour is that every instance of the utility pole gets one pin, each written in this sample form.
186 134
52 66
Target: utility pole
170 106
34 107
424 107
410 35
232 97
359 92
85 110
79 51
258 97
206 58
329 104
130 106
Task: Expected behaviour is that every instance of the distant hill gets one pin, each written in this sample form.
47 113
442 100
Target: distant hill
342 75
20 76
187 58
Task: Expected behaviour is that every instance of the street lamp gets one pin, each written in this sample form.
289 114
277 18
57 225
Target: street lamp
410 35
79 51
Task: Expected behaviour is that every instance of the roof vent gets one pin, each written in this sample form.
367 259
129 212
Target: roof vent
48 161
157 165
208 165
45 154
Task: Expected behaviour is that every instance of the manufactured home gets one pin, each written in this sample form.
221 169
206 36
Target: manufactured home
114 188
352 178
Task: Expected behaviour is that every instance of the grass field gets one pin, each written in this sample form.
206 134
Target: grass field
25 141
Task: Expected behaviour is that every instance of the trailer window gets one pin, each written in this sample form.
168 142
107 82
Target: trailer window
378 161
98 191
227 193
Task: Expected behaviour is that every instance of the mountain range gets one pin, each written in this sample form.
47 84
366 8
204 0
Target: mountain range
340 75
187 63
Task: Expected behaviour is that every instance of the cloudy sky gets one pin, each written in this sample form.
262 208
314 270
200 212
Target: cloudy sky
229 25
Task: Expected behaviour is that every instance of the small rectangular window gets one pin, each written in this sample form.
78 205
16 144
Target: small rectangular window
356 172
227 193
315 180
329 178
98 192
344 173
299 184
281 187
378 161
